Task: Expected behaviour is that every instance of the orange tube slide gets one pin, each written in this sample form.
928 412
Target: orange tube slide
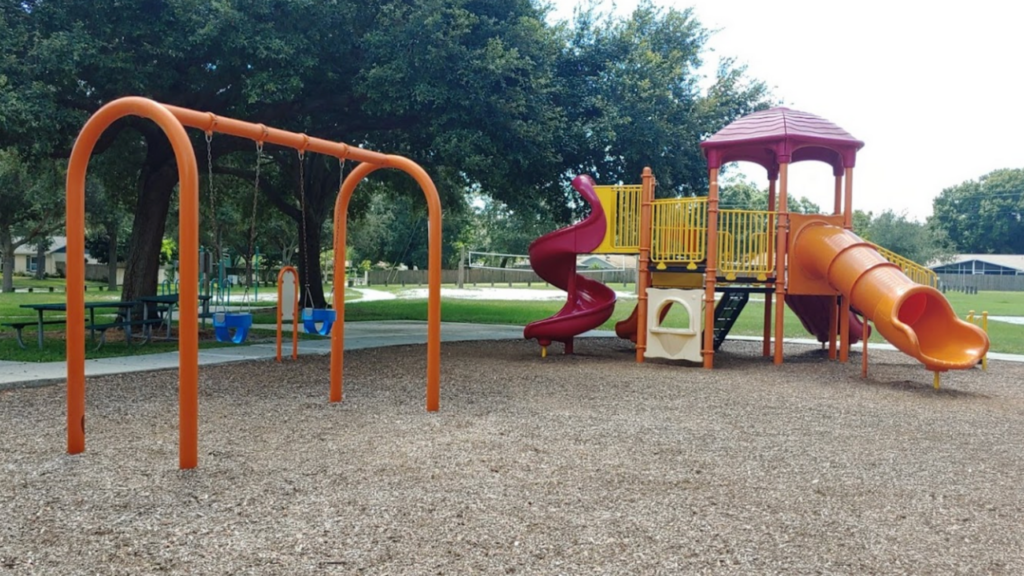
914 318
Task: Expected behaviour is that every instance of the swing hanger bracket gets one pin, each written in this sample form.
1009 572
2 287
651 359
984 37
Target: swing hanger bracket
265 133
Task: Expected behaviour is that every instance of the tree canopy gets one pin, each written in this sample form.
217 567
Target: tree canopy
31 206
984 216
737 193
489 97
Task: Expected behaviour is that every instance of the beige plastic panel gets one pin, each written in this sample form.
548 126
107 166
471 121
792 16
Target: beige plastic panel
674 343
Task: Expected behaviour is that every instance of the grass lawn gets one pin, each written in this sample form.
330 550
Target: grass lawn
1008 338
46 284
10 304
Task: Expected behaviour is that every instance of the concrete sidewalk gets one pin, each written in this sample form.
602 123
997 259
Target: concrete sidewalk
357 335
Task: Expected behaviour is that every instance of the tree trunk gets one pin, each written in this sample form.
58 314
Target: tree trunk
248 270
7 245
112 258
143 263
41 260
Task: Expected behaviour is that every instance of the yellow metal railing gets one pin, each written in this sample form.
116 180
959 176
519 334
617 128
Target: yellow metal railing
746 243
622 211
913 270
679 229
746 238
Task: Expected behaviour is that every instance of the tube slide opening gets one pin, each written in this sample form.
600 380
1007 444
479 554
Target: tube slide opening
913 308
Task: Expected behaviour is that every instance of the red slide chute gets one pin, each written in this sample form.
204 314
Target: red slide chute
553 257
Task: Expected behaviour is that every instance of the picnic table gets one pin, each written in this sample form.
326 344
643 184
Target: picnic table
92 325
163 306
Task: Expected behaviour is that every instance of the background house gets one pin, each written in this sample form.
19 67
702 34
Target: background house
606 262
26 257
26 262
983 271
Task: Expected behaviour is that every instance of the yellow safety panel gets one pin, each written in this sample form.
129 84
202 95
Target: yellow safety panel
621 206
679 230
746 244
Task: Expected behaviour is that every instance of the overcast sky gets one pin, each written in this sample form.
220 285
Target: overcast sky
935 90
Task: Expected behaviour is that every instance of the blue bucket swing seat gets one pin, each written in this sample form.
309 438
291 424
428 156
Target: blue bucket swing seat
325 317
232 326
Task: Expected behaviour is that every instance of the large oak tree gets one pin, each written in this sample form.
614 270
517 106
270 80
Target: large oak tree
487 96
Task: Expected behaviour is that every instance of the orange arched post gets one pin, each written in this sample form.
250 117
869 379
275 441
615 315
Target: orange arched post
766 347
644 280
295 310
173 120
844 311
433 275
782 223
711 271
188 230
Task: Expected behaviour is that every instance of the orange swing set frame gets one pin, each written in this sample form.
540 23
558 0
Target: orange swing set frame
173 120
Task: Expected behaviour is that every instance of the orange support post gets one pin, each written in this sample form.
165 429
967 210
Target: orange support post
172 120
433 276
711 271
766 349
844 311
782 222
644 279
844 330
839 196
864 353
833 327
295 310
848 203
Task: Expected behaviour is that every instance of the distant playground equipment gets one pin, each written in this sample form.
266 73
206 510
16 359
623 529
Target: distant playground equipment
288 275
172 120
690 250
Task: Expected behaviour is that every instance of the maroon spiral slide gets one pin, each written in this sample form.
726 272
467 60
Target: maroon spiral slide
553 257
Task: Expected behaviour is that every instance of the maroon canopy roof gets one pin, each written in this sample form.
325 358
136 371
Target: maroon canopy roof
780 135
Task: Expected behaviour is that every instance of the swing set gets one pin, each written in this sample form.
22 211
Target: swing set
173 120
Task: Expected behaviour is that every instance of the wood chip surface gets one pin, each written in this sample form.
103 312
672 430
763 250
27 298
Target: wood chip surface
582 464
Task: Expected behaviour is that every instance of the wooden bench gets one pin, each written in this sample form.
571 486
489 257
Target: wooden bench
19 326
146 326
100 327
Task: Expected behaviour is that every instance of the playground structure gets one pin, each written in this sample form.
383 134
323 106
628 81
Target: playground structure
690 250
173 120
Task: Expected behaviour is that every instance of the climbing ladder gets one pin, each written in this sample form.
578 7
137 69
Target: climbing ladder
727 311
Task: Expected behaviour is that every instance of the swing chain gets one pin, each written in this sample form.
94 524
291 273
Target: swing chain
219 301
308 297
213 194
252 221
